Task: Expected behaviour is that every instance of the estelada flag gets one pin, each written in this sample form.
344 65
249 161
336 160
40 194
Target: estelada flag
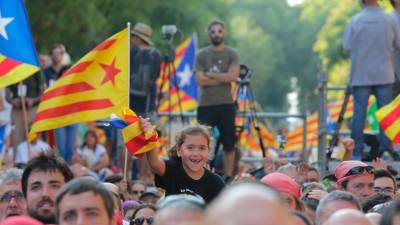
184 78
92 89
18 58
389 119
136 140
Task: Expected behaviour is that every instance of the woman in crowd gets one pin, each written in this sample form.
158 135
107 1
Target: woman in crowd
91 154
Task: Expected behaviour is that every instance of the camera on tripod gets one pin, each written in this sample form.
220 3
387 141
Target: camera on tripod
169 31
244 73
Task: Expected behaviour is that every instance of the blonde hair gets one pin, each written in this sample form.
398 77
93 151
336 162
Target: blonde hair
189 130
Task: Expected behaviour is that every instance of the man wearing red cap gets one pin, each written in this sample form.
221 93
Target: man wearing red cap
288 188
355 177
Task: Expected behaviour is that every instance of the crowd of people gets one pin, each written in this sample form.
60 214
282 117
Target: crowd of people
77 181
185 191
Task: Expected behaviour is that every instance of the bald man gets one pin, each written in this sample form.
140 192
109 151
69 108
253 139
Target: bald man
248 204
178 209
348 216
374 218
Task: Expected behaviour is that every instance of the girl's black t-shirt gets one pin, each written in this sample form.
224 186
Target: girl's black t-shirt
176 181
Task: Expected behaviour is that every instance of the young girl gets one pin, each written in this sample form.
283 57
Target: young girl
92 154
185 173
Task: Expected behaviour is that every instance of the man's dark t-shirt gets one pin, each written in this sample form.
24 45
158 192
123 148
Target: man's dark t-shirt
176 181
144 104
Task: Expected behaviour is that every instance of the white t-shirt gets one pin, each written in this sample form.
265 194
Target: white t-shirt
36 149
5 114
91 157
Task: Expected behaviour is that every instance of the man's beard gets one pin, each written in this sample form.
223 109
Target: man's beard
49 218
46 219
216 41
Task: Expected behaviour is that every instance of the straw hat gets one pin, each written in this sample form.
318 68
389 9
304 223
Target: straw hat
143 31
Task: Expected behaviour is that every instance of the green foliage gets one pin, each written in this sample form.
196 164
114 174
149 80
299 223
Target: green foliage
280 43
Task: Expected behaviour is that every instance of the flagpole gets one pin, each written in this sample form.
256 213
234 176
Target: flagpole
25 118
128 83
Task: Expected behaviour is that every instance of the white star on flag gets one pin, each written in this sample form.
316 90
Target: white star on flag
3 23
185 76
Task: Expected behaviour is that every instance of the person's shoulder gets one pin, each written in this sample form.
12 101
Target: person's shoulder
155 51
213 178
203 51
43 143
100 148
230 50
22 145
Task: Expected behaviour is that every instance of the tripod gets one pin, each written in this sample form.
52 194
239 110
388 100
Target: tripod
245 91
168 73
337 125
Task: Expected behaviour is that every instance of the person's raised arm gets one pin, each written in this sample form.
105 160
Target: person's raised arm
157 165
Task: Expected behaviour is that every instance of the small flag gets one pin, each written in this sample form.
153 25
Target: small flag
389 119
136 141
18 58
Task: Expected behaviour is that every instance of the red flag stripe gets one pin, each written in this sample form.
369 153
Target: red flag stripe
79 68
73 108
138 142
131 119
66 89
301 134
105 45
183 100
390 118
7 65
396 139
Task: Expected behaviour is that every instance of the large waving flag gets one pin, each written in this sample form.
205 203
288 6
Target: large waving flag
389 119
185 79
18 58
95 87
136 141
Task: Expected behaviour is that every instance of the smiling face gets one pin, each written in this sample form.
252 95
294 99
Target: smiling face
194 154
41 193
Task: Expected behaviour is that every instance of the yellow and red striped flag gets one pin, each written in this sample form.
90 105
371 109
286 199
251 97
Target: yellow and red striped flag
295 136
136 141
95 87
389 119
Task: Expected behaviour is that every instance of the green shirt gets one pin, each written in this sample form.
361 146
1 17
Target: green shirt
209 60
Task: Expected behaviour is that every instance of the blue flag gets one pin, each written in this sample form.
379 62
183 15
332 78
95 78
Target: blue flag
18 58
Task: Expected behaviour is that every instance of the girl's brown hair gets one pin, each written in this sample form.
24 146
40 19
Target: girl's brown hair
181 137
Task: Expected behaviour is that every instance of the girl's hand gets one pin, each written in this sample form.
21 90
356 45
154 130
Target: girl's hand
145 124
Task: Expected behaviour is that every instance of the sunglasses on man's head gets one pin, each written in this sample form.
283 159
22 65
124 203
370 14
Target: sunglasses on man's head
360 169
140 220
214 31
12 194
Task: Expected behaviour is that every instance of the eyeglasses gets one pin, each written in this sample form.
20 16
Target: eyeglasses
140 220
386 190
359 170
214 31
6 198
